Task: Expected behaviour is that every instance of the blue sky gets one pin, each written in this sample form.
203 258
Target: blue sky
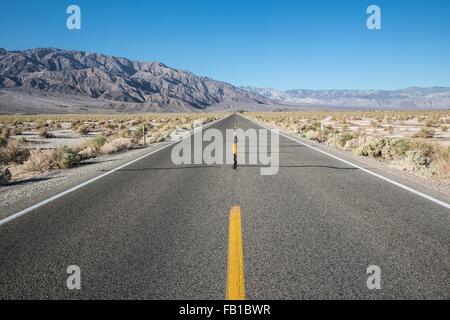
265 43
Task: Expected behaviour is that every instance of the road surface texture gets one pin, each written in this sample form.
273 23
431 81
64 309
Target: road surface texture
155 230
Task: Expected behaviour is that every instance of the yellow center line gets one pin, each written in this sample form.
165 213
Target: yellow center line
235 277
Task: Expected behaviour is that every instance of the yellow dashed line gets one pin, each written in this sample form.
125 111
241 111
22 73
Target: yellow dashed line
235 277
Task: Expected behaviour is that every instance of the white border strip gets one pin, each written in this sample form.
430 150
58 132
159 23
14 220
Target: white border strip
59 195
421 194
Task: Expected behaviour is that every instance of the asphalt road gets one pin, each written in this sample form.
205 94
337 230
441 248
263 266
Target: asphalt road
154 230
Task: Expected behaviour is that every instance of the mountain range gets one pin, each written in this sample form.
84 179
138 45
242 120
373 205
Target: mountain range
48 80
409 98
36 80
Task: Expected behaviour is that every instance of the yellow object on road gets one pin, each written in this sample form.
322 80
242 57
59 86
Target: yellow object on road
235 277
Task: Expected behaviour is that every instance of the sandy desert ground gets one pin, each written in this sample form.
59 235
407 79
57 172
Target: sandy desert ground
32 145
416 143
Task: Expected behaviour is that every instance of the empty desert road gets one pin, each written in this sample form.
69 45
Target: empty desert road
155 230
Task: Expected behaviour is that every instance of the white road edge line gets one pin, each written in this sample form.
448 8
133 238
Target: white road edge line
421 194
59 195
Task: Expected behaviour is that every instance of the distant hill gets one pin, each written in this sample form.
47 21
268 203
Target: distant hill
63 81
410 98
53 80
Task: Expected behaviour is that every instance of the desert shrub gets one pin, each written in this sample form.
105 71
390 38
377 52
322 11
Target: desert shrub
88 153
294 128
13 153
384 148
139 133
425 133
154 137
312 135
5 133
351 144
389 129
157 137
39 161
444 128
5 176
16 131
40 125
340 139
427 160
3 142
395 148
429 123
66 158
99 140
360 132
46 160
442 159
124 133
43 133
375 124
418 160
92 148
116 145
82 129
108 132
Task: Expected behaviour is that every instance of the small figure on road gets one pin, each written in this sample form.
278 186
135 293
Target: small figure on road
235 149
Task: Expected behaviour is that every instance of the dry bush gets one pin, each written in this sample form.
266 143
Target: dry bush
429 123
40 124
16 131
5 133
82 129
384 148
340 140
124 133
88 153
442 159
39 161
117 145
65 158
5 176
389 129
92 148
43 133
3 142
425 133
46 160
374 124
13 153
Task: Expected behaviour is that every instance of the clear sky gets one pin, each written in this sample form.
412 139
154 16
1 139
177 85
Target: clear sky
265 43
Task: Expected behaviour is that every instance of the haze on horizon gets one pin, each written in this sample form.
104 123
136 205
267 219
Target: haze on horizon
288 45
